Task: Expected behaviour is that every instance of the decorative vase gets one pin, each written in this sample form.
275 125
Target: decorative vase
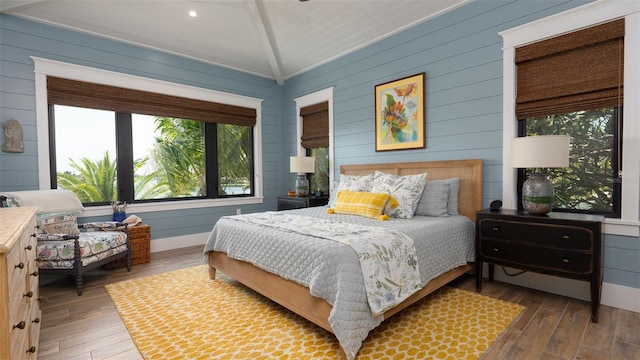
537 194
302 185
119 216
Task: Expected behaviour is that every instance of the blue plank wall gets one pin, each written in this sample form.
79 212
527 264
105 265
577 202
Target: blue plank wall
20 39
460 52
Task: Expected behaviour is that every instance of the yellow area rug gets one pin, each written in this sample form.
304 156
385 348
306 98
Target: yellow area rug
185 315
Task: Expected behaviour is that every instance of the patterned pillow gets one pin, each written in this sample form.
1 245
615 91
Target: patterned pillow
434 200
58 223
361 203
353 183
406 189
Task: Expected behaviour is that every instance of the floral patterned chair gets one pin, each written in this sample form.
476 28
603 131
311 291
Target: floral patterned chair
64 247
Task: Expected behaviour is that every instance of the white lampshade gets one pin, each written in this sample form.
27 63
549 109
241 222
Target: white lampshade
302 164
543 151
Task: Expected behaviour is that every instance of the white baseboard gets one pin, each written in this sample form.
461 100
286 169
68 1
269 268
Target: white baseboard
618 296
178 242
622 297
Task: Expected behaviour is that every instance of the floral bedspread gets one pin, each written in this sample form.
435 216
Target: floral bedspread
387 257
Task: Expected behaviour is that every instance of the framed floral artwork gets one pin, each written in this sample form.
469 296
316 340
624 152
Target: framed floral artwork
400 122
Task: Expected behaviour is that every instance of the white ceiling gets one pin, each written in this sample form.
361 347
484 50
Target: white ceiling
276 39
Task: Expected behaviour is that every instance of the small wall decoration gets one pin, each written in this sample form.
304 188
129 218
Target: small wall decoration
400 122
12 137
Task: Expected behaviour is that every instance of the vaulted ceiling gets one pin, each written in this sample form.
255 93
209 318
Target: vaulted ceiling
276 39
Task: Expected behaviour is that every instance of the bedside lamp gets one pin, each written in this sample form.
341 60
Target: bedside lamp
544 151
302 165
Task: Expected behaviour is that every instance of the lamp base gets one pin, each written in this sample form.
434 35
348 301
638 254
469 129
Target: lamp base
537 194
302 185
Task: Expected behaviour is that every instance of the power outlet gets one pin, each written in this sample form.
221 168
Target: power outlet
238 211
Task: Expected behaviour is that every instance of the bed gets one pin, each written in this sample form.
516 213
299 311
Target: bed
322 288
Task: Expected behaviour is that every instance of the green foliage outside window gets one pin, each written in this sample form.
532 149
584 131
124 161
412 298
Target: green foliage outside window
174 168
588 183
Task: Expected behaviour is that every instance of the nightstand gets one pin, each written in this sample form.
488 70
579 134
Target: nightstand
292 202
140 243
560 244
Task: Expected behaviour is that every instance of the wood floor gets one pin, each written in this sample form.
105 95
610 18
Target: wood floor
552 328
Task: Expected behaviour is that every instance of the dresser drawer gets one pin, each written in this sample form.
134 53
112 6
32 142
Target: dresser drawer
525 256
551 235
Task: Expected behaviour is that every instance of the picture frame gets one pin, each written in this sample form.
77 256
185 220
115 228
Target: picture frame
399 114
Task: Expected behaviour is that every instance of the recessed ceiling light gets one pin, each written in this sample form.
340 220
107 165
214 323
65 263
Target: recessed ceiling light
193 13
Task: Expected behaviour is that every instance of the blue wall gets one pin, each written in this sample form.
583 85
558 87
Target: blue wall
20 39
460 53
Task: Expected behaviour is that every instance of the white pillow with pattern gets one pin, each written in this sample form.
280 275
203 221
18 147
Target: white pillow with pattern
406 189
352 183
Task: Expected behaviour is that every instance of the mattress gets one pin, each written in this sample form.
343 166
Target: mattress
331 269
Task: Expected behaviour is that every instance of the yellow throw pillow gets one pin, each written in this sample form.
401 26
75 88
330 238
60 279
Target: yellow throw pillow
362 203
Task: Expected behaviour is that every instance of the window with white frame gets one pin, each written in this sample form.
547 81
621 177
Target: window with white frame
145 150
582 17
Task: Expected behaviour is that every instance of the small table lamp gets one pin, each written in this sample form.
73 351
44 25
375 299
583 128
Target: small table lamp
543 151
302 165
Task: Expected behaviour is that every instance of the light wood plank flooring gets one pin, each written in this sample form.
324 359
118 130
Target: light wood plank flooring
552 328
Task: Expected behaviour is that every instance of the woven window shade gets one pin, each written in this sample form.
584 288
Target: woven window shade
89 95
315 125
582 70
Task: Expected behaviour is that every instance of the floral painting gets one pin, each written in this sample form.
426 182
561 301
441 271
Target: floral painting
400 122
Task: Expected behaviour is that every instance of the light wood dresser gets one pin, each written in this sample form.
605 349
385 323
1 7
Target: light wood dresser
19 296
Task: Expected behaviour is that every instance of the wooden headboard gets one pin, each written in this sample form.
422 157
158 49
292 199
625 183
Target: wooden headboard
469 172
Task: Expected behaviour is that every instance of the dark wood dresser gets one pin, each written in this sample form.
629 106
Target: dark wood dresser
560 244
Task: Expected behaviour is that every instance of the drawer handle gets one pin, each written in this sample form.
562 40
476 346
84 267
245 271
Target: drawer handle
35 273
20 266
20 325
28 294
566 261
566 237
496 250
495 228
32 349
36 320
28 247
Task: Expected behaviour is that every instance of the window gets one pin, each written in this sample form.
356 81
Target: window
120 154
315 139
573 85
315 136
591 183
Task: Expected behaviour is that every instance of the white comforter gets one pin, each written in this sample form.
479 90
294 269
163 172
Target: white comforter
331 269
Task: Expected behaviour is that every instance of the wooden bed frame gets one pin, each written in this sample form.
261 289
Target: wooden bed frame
298 299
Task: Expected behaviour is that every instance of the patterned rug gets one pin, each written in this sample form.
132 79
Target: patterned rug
184 315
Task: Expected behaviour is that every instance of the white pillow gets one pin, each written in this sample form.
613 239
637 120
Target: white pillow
434 199
352 183
406 189
47 201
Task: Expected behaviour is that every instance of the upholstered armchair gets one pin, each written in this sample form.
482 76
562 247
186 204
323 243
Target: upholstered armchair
64 246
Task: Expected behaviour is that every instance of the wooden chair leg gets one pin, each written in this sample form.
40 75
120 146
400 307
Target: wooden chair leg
77 266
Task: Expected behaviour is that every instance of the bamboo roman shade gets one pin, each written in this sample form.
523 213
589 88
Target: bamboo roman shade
82 94
315 125
582 70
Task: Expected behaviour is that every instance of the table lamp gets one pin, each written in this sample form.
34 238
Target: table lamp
540 152
302 165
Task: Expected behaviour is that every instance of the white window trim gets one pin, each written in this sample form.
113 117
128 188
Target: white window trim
311 99
46 67
575 19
